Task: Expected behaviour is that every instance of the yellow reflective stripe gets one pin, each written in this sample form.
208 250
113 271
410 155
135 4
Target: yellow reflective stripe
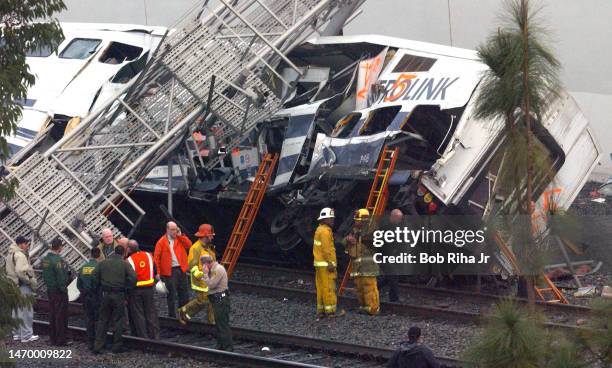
194 283
196 287
330 308
323 264
145 282
317 242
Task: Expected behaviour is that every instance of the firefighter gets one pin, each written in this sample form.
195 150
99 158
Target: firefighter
141 302
202 247
215 276
90 295
56 276
324 254
113 276
364 270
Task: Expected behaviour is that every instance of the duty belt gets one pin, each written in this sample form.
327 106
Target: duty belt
218 296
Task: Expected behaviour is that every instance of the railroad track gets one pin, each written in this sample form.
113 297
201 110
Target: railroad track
430 302
196 340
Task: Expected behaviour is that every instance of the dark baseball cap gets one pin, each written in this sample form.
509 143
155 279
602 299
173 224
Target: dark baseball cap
22 239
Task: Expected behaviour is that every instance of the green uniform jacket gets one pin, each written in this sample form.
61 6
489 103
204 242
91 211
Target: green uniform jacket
114 273
85 279
55 272
106 250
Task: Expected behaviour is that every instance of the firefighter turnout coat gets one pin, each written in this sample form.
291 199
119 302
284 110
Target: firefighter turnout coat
324 254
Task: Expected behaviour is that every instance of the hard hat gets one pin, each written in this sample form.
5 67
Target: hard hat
205 230
161 288
362 214
326 213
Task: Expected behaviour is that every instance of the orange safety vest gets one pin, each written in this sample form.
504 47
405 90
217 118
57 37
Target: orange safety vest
142 263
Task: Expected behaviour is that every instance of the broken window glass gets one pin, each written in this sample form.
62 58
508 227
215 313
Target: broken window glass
431 129
379 120
117 53
80 48
412 63
434 125
130 70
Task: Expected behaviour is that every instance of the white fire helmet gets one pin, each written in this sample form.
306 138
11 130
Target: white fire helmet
161 288
326 213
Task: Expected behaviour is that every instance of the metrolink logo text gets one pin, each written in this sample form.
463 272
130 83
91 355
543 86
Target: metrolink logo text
410 87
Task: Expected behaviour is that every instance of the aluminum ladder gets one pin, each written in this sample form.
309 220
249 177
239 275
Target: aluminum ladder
249 210
217 69
379 194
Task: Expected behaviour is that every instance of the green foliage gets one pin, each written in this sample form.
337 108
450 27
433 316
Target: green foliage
11 301
514 78
25 25
598 339
521 81
511 339
514 338
565 354
502 89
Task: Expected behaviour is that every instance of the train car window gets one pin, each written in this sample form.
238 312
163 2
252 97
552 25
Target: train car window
434 125
130 70
117 53
379 120
345 126
412 63
80 48
42 51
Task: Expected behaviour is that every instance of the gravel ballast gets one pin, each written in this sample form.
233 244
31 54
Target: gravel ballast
445 337
82 357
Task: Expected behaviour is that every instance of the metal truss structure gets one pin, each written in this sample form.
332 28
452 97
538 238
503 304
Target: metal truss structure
216 71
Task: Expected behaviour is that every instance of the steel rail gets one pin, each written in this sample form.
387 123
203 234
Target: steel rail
482 297
401 309
191 351
295 341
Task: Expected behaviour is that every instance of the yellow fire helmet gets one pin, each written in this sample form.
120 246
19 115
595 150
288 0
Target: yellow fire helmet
361 214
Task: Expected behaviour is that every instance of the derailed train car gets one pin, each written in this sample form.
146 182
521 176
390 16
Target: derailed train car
360 93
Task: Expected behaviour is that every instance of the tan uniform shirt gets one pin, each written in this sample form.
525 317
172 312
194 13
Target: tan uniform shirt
216 279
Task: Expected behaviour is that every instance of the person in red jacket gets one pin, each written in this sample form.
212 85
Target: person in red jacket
170 259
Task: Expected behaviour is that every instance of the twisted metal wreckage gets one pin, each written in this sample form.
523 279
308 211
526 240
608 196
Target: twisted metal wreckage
233 83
